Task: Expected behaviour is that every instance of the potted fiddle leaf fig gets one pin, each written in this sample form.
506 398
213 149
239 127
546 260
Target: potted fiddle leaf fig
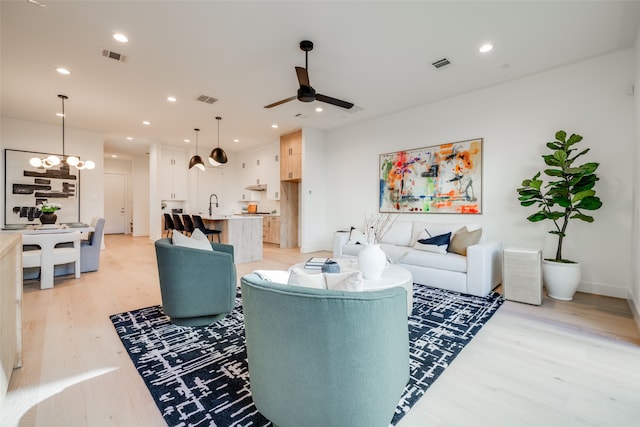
568 194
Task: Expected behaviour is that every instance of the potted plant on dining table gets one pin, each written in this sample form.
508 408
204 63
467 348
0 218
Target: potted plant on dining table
567 195
48 215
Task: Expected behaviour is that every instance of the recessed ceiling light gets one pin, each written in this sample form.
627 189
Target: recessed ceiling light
187 141
236 140
114 156
485 48
275 126
146 122
63 70
318 109
59 114
129 138
171 99
120 37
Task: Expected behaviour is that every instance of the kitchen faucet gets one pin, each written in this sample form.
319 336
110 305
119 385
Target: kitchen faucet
210 210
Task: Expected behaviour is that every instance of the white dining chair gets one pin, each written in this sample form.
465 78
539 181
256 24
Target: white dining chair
48 255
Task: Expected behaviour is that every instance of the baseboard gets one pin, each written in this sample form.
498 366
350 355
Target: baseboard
604 290
635 310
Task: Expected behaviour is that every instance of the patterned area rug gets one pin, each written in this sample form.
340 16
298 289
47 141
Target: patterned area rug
199 376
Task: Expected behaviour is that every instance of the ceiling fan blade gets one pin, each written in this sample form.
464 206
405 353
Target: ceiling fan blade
334 101
303 76
275 104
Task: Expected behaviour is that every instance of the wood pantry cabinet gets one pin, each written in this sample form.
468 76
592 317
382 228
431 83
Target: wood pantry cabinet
271 229
291 156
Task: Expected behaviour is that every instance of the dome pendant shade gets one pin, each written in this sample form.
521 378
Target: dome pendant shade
197 162
218 156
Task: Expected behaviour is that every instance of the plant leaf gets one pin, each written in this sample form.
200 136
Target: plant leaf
561 136
560 155
538 216
590 203
573 139
583 217
581 195
553 172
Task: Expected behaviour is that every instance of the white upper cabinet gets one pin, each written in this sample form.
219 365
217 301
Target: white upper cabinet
173 175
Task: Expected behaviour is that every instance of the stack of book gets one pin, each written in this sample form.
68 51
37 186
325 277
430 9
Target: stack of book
315 263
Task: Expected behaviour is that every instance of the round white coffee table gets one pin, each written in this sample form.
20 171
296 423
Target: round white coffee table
392 275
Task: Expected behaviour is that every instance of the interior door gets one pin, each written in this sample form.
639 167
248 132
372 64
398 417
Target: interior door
115 206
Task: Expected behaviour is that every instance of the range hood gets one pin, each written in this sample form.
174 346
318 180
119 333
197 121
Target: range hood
257 187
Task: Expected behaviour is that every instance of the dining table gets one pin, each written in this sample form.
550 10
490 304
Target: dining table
43 230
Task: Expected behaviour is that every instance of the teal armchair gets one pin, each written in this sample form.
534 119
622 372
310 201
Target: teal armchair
322 358
198 287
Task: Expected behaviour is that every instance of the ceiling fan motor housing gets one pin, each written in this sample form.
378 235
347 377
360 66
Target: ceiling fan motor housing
306 94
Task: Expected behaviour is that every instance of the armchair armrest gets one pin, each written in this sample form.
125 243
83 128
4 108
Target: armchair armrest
221 247
484 267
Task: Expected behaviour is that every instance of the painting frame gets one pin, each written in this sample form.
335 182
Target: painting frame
444 178
27 186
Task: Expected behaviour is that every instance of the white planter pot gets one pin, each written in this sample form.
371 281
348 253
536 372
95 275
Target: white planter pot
561 279
371 261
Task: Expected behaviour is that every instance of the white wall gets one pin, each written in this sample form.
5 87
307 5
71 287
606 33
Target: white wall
515 119
31 136
314 194
635 252
140 207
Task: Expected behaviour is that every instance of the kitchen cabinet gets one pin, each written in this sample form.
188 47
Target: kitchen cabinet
271 229
291 156
173 175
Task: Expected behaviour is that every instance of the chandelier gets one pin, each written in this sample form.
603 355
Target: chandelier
53 160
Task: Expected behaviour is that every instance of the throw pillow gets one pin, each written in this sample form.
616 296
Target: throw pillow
299 278
197 240
464 238
350 281
356 237
437 244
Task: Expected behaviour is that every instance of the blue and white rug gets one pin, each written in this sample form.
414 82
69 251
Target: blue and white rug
199 376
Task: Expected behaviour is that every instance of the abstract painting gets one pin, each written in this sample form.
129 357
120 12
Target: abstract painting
27 187
443 178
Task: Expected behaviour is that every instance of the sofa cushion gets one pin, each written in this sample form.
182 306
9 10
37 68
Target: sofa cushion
197 240
448 261
352 249
398 234
437 228
464 238
299 278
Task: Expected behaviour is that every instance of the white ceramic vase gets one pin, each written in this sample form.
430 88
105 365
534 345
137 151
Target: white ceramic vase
561 279
371 261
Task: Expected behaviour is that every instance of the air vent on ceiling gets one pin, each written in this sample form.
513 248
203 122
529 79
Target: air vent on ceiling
302 116
206 99
354 109
113 55
441 63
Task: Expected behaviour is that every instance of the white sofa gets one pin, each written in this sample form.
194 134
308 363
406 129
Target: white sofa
477 273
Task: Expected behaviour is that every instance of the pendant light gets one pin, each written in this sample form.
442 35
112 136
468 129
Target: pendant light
218 156
196 160
54 160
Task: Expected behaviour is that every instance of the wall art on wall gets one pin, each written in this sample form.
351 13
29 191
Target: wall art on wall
443 178
27 187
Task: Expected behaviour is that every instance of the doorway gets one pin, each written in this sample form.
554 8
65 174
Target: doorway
115 191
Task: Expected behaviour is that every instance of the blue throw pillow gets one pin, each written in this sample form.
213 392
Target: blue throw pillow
440 240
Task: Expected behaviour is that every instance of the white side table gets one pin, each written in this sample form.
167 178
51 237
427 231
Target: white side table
522 275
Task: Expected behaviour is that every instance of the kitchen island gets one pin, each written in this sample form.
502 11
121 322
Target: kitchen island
243 232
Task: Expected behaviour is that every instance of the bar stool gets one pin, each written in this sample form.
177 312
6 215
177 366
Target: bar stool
198 223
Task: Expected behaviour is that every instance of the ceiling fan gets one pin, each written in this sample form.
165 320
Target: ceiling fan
306 93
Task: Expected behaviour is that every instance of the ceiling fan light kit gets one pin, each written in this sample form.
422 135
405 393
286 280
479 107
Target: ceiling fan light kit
306 93
54 160
218 156
196 160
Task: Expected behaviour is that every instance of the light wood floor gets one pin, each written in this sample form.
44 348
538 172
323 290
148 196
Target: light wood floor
560 364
